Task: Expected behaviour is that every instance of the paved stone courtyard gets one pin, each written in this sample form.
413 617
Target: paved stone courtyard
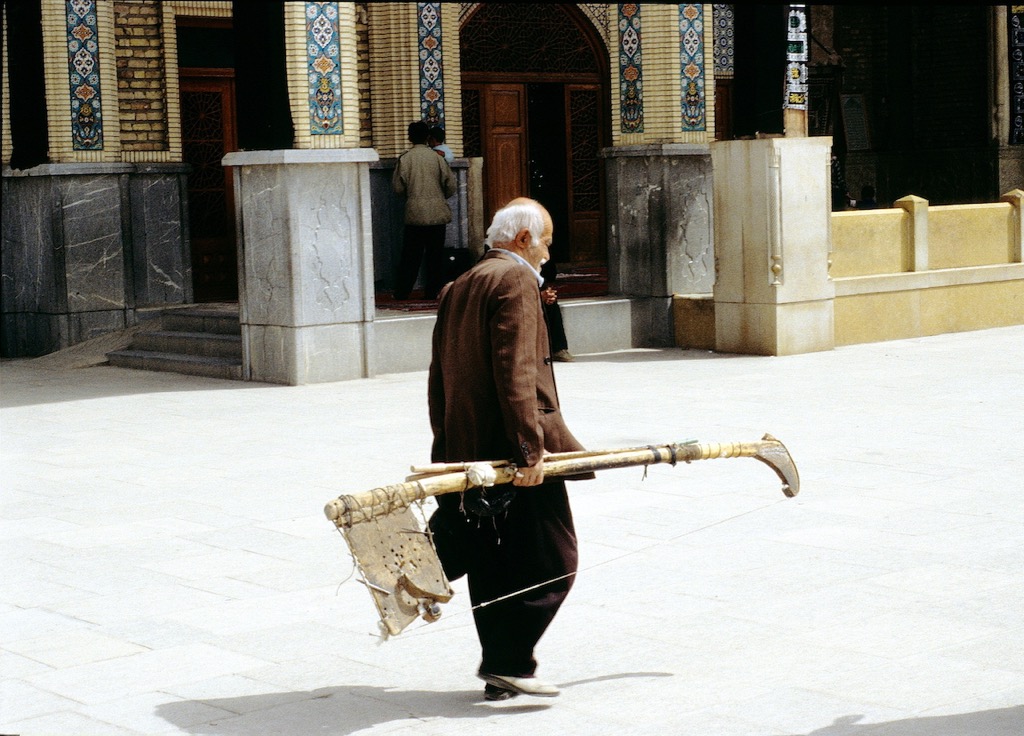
167 567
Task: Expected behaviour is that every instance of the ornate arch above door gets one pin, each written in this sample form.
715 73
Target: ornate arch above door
597 13
534 90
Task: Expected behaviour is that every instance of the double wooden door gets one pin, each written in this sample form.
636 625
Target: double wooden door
542 139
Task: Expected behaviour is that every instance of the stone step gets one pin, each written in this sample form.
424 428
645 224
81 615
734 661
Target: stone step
216 319
208 344
192 365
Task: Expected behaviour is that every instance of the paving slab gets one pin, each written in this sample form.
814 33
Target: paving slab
167 568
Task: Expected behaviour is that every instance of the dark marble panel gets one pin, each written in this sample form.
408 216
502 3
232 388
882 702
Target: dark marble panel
81 326
29 334
160 261
83 245
93 247
31 258
386 209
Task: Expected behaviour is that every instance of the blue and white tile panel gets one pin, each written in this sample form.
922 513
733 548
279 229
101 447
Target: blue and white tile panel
323 56
796 59
691 67
631 81
84 75
431 63
724 18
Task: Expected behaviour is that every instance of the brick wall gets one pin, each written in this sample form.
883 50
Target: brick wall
141 78
363 72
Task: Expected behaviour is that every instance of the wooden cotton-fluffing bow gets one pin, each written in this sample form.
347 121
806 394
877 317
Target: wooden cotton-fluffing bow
396 555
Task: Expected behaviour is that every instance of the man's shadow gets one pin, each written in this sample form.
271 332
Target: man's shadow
344 709
996 722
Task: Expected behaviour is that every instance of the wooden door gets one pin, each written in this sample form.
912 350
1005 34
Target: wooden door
208 132
503 139
586 184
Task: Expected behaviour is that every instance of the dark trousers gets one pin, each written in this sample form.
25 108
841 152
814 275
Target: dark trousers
533 542
419 243
556 329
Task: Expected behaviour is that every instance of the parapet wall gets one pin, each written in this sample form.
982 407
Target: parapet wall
908 271
946 269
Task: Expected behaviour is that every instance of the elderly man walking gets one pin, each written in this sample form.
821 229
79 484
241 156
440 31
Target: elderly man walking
491 390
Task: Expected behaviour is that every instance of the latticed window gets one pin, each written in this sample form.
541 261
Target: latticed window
471 123
203 142
586 184
545 40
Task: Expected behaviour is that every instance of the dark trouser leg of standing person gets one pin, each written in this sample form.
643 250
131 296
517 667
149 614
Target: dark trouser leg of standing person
434 256
409 266
534 543
556 330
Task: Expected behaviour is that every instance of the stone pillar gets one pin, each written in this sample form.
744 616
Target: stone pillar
915 253
659 231
773 236
1015 198
305 255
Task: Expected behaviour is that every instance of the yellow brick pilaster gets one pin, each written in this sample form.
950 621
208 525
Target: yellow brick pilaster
58 96
663 78
297 60
395 74
6 143
452 77
171 10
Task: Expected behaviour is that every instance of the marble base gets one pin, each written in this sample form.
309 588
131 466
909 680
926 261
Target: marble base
306 261
83 246
659 220
299 355
774 329
773 238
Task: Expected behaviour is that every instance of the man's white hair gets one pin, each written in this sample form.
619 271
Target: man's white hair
512 218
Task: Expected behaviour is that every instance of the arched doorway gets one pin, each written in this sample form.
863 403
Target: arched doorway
534 80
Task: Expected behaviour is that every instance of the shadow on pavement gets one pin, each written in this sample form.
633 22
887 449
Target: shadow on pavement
996 722
634 355
347 709
334 710
25 383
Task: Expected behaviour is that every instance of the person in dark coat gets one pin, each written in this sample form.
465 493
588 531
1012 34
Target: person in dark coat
492 395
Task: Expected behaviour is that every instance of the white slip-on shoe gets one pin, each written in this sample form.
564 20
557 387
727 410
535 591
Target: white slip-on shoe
524 685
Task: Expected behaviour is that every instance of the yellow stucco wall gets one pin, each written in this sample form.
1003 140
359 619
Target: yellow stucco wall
898 315
970 235
974 281
868 242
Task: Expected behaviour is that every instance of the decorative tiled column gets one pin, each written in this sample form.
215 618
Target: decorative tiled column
773 235
658 175
306 264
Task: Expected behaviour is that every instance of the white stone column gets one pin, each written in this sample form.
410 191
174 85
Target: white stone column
773 239
305 261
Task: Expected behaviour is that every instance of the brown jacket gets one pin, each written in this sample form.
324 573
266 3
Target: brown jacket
427 181
491 386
